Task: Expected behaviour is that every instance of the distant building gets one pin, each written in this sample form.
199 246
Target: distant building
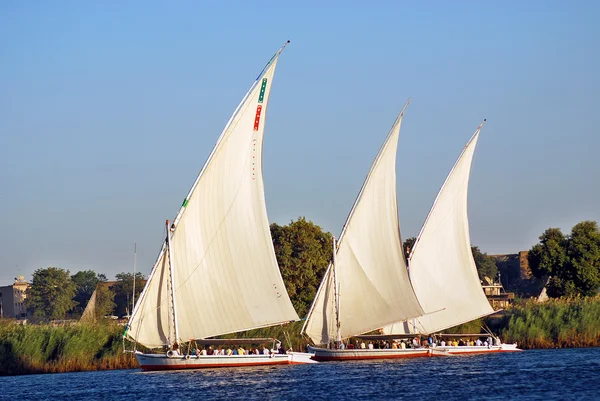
498 298
12 299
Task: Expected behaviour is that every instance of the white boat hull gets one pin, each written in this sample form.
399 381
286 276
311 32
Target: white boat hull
153 362
325 354
481 349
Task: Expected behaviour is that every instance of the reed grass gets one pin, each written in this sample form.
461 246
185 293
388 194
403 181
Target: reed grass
49 349
556 323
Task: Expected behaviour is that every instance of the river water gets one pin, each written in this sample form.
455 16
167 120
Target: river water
567 374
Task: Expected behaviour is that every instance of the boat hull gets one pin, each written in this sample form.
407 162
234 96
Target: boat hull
325 354
481 349
154 362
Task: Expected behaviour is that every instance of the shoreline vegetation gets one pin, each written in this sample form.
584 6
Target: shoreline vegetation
31 349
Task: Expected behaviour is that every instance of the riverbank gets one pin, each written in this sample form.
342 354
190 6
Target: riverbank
27 349
24 349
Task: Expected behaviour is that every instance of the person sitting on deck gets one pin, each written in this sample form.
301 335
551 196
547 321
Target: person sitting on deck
362 345
350 346
478 342
394 345
265 351
370 345
241 351
442 343
498 341
402 345
256 351
235 351
415 343
281 349
228 352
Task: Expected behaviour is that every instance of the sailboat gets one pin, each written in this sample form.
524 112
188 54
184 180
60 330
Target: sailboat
442 269
216 272
366 286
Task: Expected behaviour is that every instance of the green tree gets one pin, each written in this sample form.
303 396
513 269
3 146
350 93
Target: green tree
572 263
486 265
85 282
105 304
549 256
123 289
408 246
51 293
583 255
303 251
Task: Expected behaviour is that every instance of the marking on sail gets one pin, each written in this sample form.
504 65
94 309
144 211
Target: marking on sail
257 118
253 158
262 90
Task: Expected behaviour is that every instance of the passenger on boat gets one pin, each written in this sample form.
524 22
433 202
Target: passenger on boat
282 349
362 345
498 341
228 352
256 351
370 345
265 351
394 345
442 343
350 346
241 351
402 344
415 342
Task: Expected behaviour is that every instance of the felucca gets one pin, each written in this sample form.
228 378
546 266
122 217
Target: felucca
442 269
216 272
366 286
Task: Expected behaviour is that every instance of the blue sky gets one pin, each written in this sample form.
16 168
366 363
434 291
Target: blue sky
108 111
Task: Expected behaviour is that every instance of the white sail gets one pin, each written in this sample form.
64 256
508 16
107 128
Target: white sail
226 277
374 289
152 322
442 268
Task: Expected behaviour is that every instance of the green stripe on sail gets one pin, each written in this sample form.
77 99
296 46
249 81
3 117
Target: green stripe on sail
185 202
262 90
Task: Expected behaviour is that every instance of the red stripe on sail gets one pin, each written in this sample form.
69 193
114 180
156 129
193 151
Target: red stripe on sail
257 118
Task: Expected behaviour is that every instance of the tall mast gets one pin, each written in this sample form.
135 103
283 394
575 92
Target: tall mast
134 265
338 337
172 278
